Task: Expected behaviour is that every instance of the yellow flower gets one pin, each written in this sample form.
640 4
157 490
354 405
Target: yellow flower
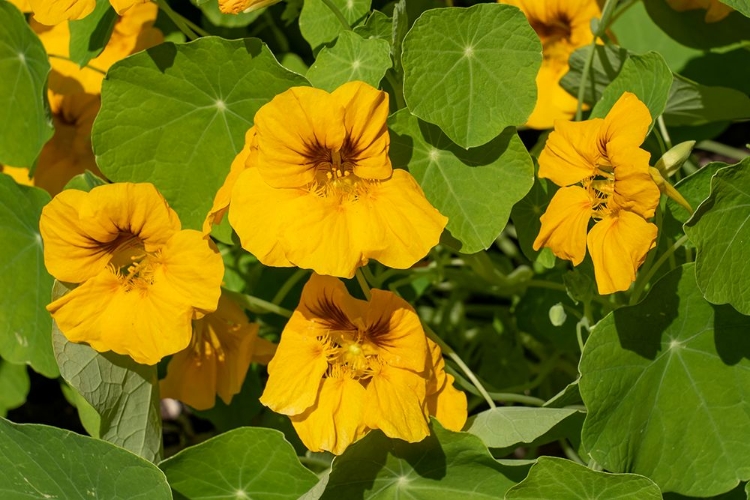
23 5
605 176
51 12
216 361
239 6
345 366
319 192
715 9
562 26
142 279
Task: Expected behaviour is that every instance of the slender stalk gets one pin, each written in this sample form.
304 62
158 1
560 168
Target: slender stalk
258 304
288 285
397 89
570 452
722 149
499 397
664 132
363 284
56 56
638 290
177 19
337 12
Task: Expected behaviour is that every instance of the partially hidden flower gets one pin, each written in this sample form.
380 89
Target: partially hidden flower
562 26
223 345
604 176
715 9
23 5
346 366
51 12
240 6
317 189
141 279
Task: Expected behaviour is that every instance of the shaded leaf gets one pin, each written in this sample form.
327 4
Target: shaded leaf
510 426
89 36
14 386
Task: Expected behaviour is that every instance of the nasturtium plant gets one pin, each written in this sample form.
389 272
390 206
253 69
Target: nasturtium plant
327 249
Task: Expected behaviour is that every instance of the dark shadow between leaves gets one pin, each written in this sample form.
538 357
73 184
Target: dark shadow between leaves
163 55
253 46
731 334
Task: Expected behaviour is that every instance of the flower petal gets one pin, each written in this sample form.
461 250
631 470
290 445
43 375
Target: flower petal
618 245
635 189
444 401
564 224
191 378
571 152
625 126
395 399
553 102
51 12
121 6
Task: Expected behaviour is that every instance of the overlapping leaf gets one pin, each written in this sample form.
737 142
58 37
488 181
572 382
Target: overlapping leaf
89 36
320 26
352 58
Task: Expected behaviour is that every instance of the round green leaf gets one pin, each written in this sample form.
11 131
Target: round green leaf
691 103
565 480
24 122
248 462
176 116
352 58
605 66
471 72
667 387
444 466
474 188
37 461
25 285
720 231
508 426
14 386
320 26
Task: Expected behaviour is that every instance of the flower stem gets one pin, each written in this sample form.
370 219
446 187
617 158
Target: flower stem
500 397
723 149
258 305
664 132
363 284
183 24
338 14
638 290
288 285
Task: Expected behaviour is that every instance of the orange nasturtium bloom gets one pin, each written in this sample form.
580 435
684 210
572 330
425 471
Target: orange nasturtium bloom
239 6
142 280
345 366
216 361
317 189
562 26
715 10
51 12
603 175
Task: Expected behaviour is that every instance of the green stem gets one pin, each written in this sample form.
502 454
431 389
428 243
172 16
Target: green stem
363 284
56 56
177 19
621 10
638 290
337 12
664 132
722 149
288 285
500 397
318 463
257 305
570 452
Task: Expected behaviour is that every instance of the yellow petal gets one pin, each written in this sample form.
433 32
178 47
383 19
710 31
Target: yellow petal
337 418
625 126
634 188
121 6
23 5
571 152
51 12
444 401
553 102
190 379
326 296
366 112
564 224
19 174
294 130
618 245
239 6
394 404
263 351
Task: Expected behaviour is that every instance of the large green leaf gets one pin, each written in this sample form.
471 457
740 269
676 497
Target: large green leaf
605 66
352 58
14 386
176 116
646 76
472 71
320 26
739 5
444 466
24 122
25 285
693 104
508 426
719 229
89 36
694 188
474 188
43 462
560 479
124 393
244 463
667 387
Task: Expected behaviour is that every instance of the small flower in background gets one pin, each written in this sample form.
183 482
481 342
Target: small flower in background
142 280
346 366
603 175
318 190
715 9
223 345
51 12
240 6
562 26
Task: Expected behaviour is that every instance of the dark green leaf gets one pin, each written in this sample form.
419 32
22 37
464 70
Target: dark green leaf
511 426
693 104
89 36
606 65
14 386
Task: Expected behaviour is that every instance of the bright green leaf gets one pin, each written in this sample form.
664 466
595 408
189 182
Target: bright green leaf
694 188
320 26
43 462
24 122
352 58
89 36
176 116
509 426
248 462
646 76
474 188
377 25
605 66
90 419
398 32
720 231
693 104
570 395
667 387
471 71
562 479
14 386
25 285
444 466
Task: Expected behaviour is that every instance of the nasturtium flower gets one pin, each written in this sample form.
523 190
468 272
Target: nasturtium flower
215 363
318 191
604 175
23 5
51 12
562 26
142 279
240 6
345 366
715 9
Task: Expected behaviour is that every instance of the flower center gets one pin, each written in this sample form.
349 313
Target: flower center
205 343
555 36
132 264
334 174
601 187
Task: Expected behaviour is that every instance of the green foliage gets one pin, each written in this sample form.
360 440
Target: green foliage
14 386
176 116
377 26
320 26
25 284
471 71
474 188
24 124
351 58
89 36
693 104
719 230
739 5
605 66
669 402
243 463
510 426
565 480
37 461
